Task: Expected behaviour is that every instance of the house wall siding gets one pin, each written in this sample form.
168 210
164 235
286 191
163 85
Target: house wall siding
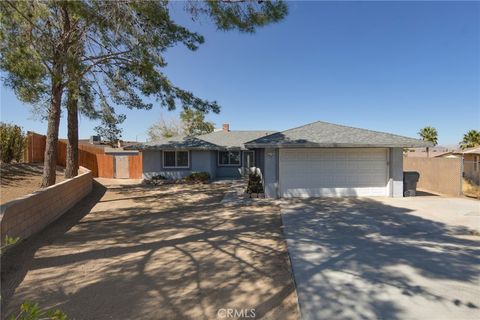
224 172
200 161
206 161
260 159
229 171
395 183
270 172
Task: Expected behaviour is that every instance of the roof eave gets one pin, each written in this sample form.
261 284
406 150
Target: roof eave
166 147
337 145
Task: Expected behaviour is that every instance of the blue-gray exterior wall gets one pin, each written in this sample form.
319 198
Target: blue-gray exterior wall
200 161
395 183
228 171
259 159
236 171
206 161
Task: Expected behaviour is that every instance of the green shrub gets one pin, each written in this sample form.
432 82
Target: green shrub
158 178
7 242
31 311
198 177
254 183
12 142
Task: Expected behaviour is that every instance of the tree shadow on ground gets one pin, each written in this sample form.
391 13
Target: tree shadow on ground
362 259
169 253
17 261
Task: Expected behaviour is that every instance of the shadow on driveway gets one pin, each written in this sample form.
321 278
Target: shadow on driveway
17 261
361 259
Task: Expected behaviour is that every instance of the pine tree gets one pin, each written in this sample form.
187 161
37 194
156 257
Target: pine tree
106 54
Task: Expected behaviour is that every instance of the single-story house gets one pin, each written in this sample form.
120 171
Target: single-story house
314 160
433 152
221 153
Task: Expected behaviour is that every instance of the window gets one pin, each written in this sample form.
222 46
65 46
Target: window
176 159
476 163
229 158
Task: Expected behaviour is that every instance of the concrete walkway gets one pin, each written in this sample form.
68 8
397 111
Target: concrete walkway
384 258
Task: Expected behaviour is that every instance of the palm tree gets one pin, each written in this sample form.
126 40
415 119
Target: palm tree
470 139
429 134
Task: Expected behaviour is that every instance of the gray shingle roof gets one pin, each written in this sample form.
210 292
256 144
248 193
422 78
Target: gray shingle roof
211 141
323 134
233 139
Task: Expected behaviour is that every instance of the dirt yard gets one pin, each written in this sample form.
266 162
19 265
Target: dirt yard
169 252
19 179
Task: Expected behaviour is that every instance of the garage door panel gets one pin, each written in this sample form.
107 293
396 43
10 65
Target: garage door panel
332 172
333 192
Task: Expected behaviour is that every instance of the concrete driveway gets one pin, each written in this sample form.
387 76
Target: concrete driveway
168 252
383 258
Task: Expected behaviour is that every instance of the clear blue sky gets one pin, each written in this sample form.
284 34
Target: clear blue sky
385 66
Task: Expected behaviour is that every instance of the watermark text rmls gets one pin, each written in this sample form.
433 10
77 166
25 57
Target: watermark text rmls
226 313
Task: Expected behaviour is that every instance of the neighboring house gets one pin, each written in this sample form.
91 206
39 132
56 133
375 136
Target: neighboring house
318 159
433 152
94 143
471 162
221 153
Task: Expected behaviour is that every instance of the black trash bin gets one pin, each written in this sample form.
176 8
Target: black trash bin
410 179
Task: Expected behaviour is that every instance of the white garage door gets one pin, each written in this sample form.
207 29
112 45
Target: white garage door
317 172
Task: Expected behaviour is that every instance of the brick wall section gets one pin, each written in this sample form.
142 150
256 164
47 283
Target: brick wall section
27 215
441 175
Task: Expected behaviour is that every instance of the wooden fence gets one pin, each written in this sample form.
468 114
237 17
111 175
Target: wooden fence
440 175
94 158
35 150
135 166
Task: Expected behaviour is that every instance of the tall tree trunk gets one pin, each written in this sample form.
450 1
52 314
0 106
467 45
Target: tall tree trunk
72 145
50 159
428 152
54 113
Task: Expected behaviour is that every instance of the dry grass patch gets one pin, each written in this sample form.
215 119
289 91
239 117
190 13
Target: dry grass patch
470 189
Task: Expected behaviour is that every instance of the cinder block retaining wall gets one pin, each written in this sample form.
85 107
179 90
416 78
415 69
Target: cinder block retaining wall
29 214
